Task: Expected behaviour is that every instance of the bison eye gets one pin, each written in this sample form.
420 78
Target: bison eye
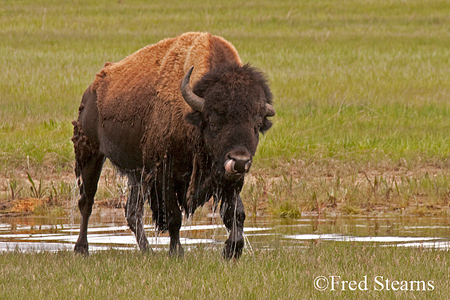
258 128
212 126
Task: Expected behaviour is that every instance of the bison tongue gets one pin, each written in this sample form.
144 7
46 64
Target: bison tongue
229 166
233 167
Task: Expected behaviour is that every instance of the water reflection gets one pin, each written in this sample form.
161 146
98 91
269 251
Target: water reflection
105 232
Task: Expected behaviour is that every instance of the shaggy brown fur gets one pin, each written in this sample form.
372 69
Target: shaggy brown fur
124 88
146 72
173 151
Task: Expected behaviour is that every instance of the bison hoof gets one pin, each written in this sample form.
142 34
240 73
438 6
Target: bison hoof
177 252
82 250
147 249
233 249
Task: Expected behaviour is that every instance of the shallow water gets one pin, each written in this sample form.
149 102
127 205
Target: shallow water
109 231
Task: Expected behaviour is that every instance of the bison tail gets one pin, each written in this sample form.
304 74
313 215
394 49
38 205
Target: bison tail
84 149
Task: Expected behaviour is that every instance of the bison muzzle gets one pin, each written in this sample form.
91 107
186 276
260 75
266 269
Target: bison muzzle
181 119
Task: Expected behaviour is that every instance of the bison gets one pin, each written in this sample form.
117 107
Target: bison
181 119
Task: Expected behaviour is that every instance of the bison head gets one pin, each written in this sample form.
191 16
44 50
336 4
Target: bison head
231 105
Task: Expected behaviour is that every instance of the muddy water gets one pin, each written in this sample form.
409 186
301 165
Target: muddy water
108 230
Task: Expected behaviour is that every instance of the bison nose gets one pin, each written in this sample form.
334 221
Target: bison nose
238 163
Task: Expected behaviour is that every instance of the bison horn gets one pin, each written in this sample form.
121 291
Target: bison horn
194 101
270 111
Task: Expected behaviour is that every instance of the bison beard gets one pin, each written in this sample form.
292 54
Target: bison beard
179 146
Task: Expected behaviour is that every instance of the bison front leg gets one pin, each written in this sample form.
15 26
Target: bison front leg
175 218
134 211
233 216
166 212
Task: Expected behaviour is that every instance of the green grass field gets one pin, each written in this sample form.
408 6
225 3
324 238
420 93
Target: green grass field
360 87
362 81
361 90
281 273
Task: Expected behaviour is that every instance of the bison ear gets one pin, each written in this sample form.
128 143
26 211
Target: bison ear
266 125
195 118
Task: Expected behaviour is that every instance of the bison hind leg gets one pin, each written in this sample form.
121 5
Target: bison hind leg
90 174
88 166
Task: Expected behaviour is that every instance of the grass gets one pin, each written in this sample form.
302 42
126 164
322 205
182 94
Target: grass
339 189
360 87
281 273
